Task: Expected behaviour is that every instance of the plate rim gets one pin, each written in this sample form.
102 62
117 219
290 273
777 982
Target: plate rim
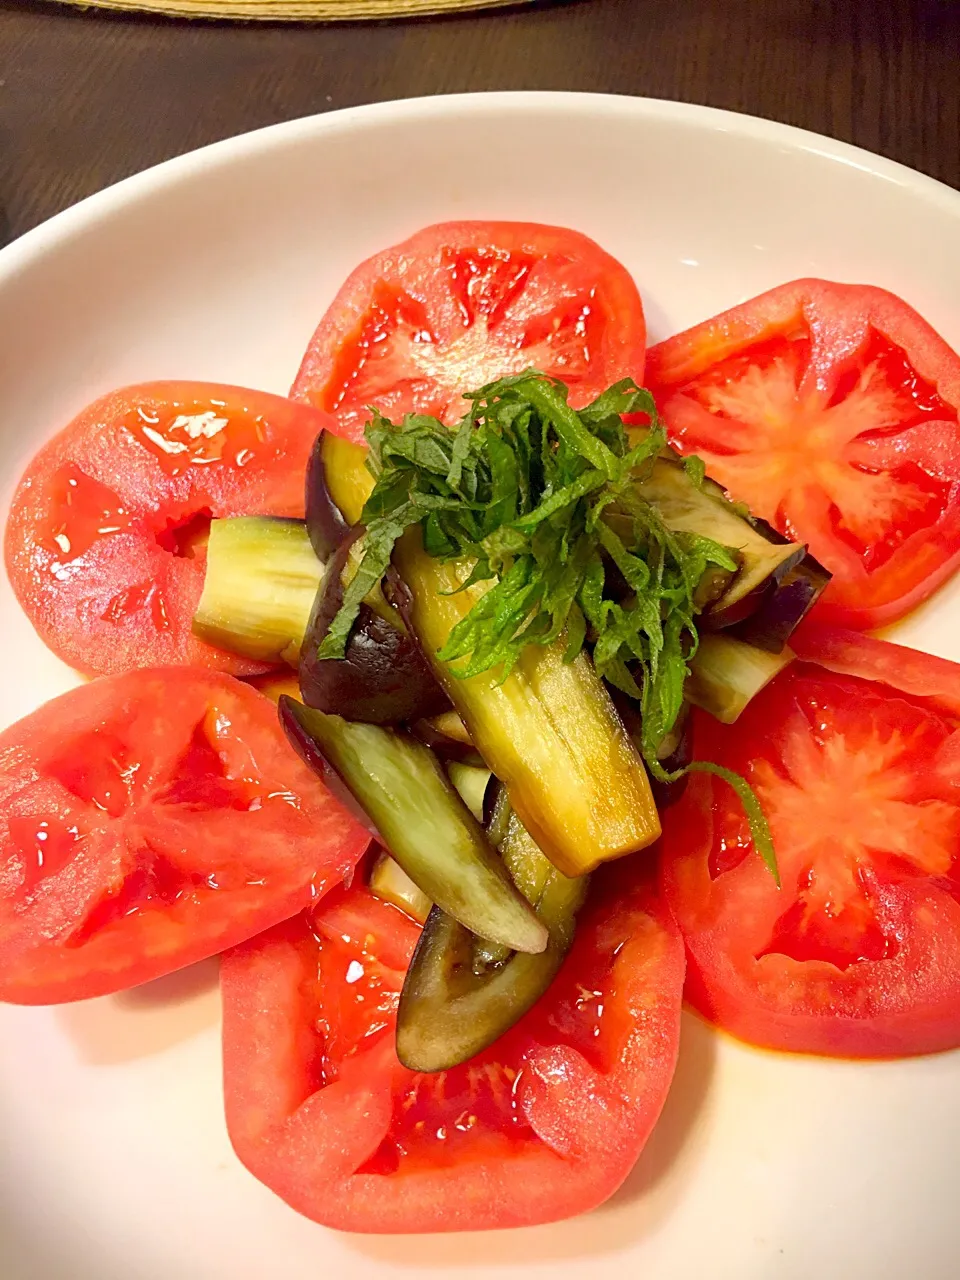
20 254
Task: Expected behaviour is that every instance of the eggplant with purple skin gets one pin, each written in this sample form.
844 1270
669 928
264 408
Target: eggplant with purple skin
783 606
420 819
777 581
383 677
461 993
674 754
446 735
337 482
325 521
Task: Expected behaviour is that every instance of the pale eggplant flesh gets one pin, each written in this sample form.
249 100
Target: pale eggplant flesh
420 819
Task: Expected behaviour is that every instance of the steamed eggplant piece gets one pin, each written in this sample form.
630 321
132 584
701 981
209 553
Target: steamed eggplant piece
325 522
446 735
549 731
726 674
337 486
419 818
783 607
686 507
260 583
383 677
389 881
674 753
460 995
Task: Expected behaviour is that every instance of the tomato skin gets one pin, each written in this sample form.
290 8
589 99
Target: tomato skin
910 456
921 675
859 954
460 304
102 542
147 821
545 1124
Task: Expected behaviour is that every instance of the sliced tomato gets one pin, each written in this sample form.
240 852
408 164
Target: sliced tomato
859 775
105 539
544 1124
463 303
922 675
831 411
149 820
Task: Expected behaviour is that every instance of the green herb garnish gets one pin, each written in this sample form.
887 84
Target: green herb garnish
543 500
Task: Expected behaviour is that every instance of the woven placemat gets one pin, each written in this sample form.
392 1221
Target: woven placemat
295 10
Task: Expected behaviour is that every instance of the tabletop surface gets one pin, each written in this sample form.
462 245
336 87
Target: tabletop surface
88 97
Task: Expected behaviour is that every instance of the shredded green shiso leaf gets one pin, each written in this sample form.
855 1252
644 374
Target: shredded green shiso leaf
522 488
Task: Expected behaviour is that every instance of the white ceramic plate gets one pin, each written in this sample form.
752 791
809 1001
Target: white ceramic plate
114 1159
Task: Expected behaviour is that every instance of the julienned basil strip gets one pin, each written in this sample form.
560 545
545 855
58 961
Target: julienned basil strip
756 819
542 499
759 827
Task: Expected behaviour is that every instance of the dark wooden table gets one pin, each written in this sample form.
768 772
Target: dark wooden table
87 97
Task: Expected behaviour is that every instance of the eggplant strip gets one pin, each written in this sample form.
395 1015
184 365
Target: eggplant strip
420 820
460 995
726 674
686 507
389 881
548 731
260 584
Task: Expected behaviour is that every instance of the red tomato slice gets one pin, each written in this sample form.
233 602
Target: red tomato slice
544 1124
859 953
149 820
919 674
104 542
463 303
831 411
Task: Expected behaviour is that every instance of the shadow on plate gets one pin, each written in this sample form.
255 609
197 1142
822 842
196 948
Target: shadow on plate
642 1203
147 1019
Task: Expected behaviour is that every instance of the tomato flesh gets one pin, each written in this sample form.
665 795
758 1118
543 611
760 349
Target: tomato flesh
859 952
105 543
149 820
545 1123
462 304
834 417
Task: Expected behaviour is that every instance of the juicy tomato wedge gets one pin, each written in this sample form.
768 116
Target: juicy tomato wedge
544 1124
149 820
105 538
858 771
831 411
461 304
